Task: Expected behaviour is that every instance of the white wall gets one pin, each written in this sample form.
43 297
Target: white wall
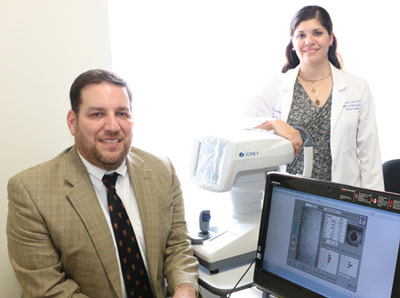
367 39
45 44
199 59
193 64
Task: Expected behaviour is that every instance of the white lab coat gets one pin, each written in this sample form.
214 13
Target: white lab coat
356 158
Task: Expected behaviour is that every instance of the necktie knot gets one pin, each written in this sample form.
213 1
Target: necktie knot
109 180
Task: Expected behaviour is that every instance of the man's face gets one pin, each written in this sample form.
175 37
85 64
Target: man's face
103 126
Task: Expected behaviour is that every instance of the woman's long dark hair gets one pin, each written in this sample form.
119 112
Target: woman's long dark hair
304 14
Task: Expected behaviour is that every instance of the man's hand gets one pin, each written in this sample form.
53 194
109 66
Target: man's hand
185 291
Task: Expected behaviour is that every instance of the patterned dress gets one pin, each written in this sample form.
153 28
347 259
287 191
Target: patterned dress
316 120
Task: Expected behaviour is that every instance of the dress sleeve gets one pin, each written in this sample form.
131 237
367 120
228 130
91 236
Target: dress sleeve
368 144
261 107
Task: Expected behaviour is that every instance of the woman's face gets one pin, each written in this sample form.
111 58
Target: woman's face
311 42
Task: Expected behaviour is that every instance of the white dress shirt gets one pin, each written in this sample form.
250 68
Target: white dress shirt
125 191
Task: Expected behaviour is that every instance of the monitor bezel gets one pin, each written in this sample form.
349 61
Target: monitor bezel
277 285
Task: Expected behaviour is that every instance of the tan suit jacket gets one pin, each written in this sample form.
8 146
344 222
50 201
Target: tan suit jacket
59 242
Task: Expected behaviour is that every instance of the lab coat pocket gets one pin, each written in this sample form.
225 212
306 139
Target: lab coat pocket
348 123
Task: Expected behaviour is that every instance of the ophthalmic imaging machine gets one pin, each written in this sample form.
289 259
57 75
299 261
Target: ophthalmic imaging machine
237 161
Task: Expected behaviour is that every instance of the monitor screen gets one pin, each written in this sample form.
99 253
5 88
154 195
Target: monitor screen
322 239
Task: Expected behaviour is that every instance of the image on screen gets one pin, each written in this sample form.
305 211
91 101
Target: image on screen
327 243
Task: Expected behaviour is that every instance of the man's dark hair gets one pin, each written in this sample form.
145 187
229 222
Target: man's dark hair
94 76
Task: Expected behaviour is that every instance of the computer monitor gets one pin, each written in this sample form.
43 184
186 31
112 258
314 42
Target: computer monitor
323 239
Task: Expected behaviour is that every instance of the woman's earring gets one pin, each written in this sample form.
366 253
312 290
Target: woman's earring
292 49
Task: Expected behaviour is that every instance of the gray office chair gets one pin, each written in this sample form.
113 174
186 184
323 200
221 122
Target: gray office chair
391 175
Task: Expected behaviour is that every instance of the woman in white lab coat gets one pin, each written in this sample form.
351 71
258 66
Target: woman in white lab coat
334 106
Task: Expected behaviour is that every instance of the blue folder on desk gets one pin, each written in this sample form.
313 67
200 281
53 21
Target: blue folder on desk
323 239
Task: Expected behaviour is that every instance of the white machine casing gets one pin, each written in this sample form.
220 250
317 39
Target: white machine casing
236 162
217 161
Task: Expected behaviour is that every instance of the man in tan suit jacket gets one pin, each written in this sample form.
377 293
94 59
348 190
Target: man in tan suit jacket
59 242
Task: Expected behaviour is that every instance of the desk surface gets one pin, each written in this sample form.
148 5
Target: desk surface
222 283
252 292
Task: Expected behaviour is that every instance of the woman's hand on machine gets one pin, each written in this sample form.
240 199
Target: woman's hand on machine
286 131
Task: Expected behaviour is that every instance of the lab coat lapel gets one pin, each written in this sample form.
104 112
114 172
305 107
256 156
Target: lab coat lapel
143 188
338 98
83 197
288 82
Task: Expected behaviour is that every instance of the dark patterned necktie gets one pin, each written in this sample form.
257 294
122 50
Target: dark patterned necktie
133 270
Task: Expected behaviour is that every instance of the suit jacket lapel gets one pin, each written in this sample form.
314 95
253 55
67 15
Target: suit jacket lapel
82 196
148 208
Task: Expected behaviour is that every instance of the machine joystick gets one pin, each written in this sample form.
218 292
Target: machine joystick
204 223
